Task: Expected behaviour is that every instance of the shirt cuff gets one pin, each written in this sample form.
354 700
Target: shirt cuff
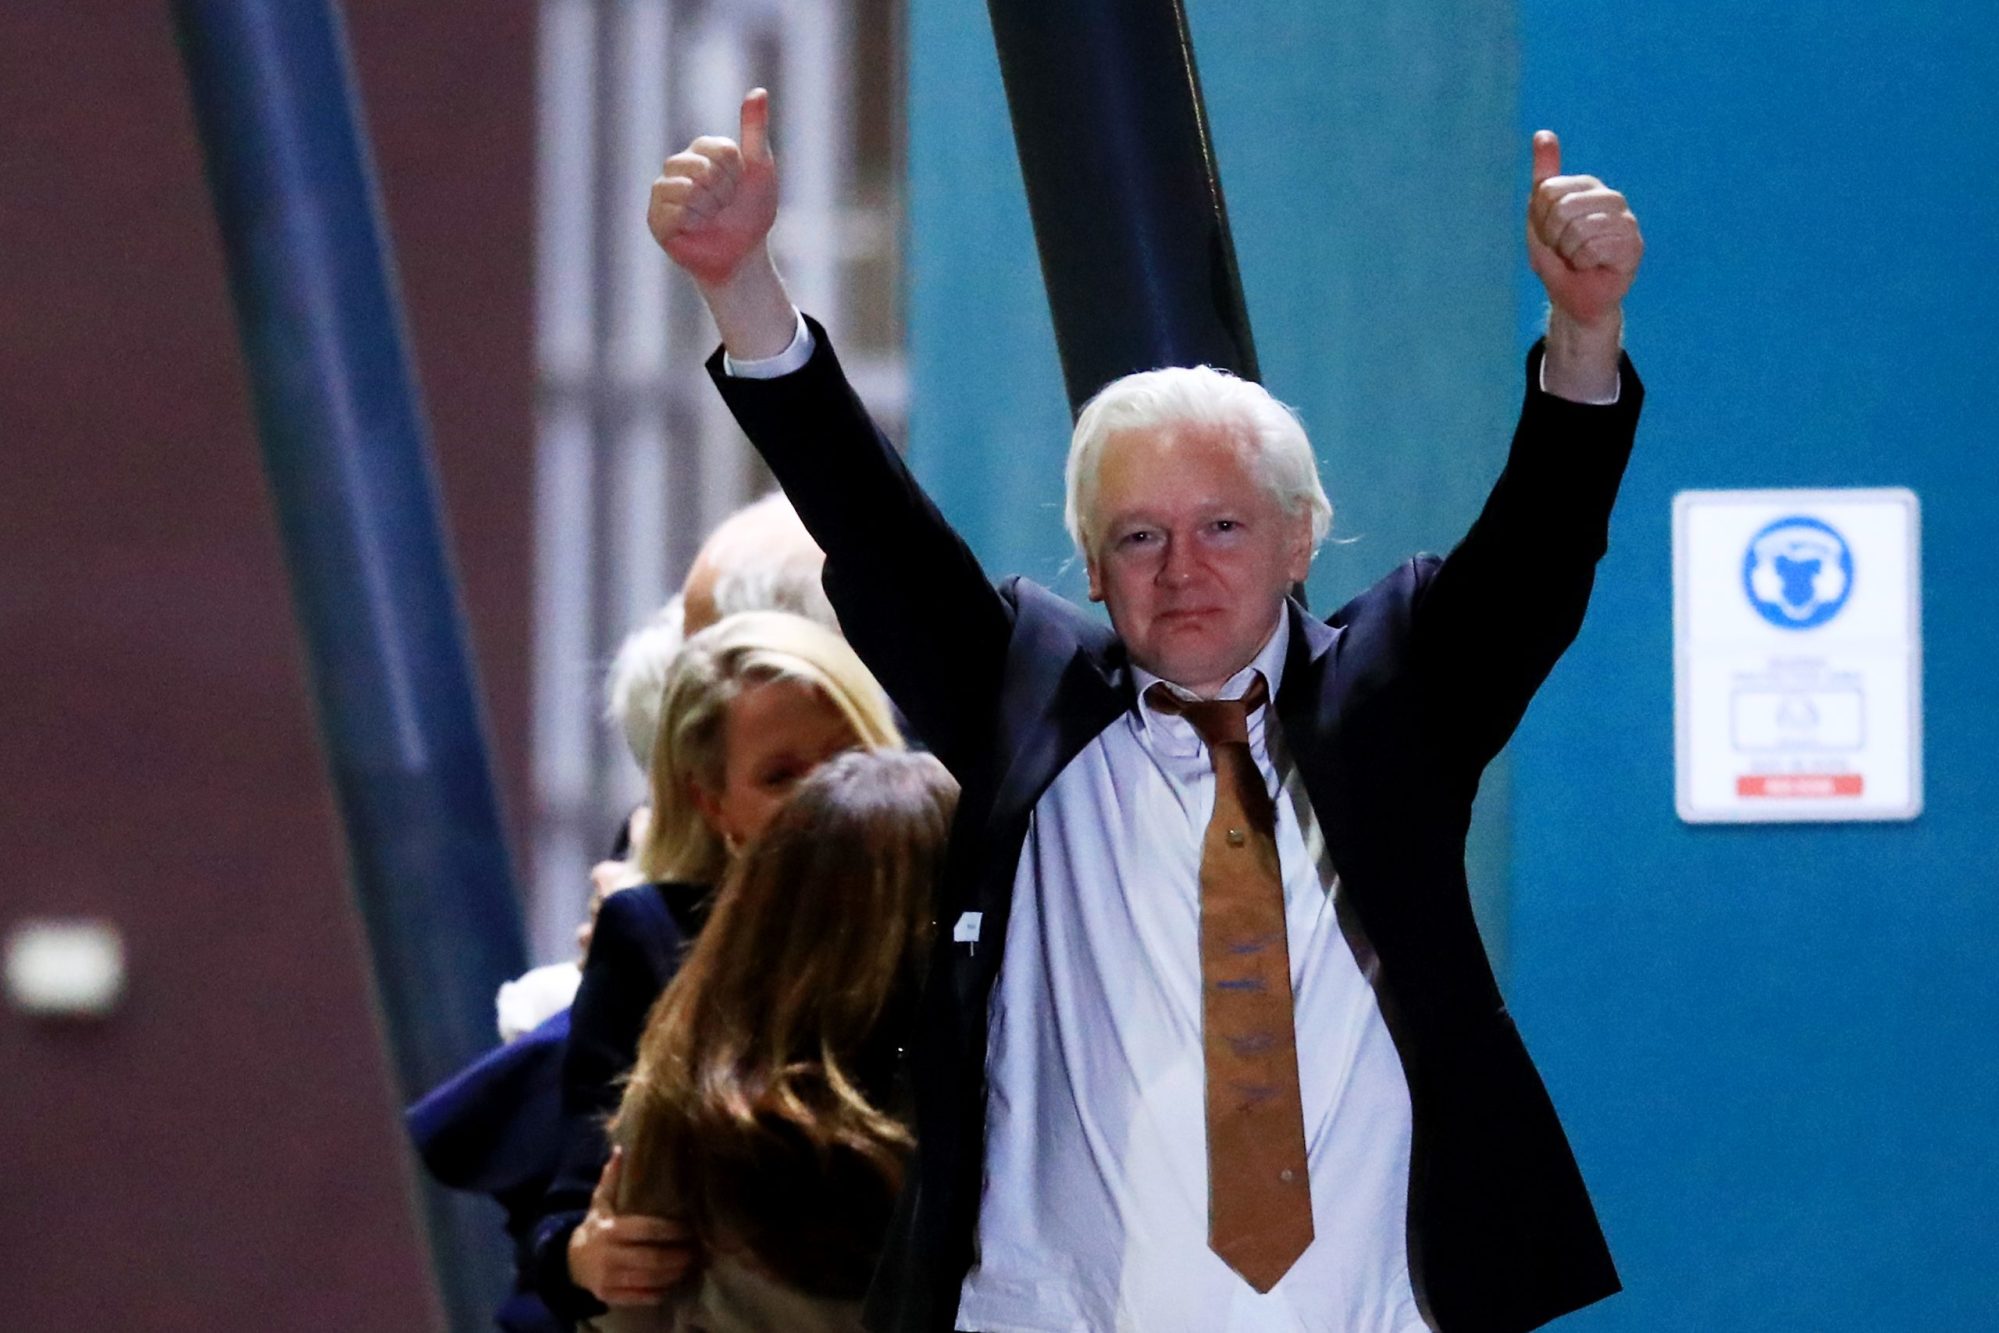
791 358
1540 374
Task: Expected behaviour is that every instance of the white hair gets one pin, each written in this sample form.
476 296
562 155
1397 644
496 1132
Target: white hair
636 681
780 572
777 571
1268 436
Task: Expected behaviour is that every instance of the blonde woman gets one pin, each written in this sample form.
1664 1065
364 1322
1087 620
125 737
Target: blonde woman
767 1113
752 705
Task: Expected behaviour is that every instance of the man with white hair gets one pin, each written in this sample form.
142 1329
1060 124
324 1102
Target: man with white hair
1211 1042
760 558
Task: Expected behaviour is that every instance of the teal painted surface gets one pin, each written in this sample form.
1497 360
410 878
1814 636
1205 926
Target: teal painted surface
1373 178
1374 182
1777 1048
988 422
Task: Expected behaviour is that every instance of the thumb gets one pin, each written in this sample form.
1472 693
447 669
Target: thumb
605 1197
1547 155
755 135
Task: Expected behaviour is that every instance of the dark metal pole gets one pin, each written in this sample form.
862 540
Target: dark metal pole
346 451
1123 188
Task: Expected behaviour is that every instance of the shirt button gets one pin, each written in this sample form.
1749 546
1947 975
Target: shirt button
1235 837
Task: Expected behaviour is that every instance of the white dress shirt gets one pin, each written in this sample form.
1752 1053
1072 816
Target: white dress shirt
1094 1212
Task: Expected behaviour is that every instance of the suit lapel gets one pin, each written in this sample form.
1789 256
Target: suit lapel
1307 709
1066 681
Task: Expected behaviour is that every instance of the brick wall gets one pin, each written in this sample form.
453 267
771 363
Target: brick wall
223 1153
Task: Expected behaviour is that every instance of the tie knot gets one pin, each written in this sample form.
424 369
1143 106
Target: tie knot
1218 721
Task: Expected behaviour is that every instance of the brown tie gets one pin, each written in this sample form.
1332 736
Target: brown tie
1259 1194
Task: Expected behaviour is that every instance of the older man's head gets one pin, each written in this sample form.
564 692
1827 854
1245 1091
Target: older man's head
760 558
1195 501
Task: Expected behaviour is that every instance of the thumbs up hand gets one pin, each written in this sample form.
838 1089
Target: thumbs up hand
1582 239
713 204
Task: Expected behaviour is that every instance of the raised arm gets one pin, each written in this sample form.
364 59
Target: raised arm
910 594
1492 620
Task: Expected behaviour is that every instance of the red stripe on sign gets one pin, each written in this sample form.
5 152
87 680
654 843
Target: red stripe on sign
1799 784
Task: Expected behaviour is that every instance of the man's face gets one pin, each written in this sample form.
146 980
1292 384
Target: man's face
1193 557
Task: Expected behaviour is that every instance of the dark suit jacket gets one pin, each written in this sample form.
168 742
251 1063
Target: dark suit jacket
1392 708
493 1129
640 936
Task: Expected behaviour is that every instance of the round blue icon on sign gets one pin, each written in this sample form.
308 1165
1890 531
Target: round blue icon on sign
1797 572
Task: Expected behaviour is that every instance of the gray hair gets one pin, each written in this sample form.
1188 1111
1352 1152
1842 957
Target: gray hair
764 560
1267 434
637 678
777 572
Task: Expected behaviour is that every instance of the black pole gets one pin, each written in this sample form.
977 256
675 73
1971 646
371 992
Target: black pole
1123 188
347 455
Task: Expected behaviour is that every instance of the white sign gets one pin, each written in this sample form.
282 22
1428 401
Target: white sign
1797 655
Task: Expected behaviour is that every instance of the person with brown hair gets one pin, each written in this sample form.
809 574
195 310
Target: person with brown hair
751 706
768 1114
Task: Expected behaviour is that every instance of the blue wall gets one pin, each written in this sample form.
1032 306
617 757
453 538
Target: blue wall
1776 1049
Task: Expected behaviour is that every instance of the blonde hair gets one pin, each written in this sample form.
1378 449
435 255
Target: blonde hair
689 748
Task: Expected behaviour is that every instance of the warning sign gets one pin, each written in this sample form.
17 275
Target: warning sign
1797 655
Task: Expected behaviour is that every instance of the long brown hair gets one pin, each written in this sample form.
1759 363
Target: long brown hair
762 1111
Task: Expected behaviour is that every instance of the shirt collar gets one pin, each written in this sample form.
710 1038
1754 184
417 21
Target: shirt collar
1269 661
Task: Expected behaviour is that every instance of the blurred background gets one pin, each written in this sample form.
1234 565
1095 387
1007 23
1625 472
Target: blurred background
1776 1048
